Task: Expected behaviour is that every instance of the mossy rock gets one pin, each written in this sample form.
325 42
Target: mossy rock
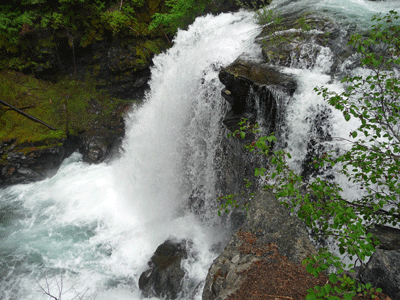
76 109
65 105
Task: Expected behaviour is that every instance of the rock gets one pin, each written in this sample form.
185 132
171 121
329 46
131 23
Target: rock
383 270
271 222
269 226
388 237
35 163
320 131
253 90
95 149
301 46
164 277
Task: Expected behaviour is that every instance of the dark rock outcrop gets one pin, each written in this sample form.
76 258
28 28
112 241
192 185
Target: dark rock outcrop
388 237
164 277
255 92
32 165
253 89
33 161
102 140
268 223
383 270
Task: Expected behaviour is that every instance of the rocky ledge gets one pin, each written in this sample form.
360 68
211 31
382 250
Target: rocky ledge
269 234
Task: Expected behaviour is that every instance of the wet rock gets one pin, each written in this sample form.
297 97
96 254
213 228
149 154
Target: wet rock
388 237
383 270
35 163
320 132
253 90
235 162
268 223
164 276
96 148
298 44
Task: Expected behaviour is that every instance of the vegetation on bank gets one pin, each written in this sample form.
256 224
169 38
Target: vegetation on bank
68 105
34 33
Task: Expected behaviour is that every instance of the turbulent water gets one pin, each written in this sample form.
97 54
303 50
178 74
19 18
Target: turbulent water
308 118
355 12
92 228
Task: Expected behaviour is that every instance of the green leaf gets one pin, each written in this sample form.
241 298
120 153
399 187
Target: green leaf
310 268
333 278
311 296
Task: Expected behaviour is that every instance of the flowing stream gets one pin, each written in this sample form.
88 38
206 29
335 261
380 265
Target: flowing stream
91 229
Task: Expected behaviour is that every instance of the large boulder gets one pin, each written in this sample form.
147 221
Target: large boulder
388 237
270 236
164 277
383 270
302 36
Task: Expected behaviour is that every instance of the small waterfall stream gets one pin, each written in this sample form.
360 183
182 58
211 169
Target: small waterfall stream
94 227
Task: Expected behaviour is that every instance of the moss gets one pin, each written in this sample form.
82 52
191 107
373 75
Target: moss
65 105
146 50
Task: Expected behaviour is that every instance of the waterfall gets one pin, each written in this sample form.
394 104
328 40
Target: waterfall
92 228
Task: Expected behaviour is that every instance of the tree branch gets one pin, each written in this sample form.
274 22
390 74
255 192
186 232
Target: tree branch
27 115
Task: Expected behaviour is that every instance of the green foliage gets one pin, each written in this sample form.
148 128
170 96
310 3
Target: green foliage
268 16
180 14
26 26
262 14
276 30
373 164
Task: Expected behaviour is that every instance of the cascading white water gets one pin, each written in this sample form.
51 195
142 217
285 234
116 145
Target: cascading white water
93 228
308 116
357 13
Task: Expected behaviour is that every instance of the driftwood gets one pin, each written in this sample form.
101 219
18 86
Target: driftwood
27 115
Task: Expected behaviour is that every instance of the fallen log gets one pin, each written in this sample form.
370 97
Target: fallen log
22 108
30 117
